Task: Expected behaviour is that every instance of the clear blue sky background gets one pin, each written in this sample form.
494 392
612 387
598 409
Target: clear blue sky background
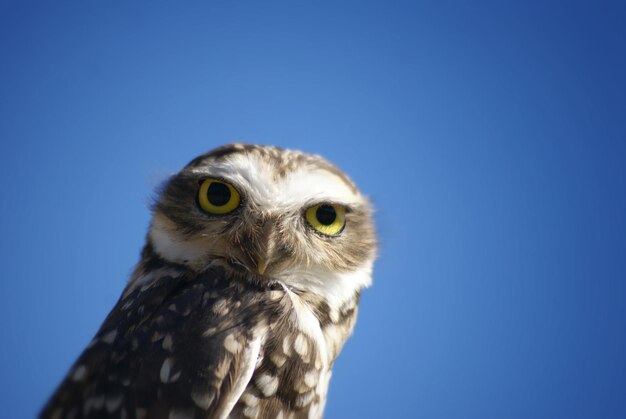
490 135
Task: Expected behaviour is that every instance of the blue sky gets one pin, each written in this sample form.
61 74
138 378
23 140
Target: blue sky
491 137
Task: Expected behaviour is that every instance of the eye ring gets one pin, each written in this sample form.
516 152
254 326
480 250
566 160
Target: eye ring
327 219
218 197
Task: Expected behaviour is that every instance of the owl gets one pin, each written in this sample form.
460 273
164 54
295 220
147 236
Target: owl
247 288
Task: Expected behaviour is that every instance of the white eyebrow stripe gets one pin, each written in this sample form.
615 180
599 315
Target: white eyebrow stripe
302 186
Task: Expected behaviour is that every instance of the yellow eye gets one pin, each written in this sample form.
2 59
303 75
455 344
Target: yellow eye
217 197
328 219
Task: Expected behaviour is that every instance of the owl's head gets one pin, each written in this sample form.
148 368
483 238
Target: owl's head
269 214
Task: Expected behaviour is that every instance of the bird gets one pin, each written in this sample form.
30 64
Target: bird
246 290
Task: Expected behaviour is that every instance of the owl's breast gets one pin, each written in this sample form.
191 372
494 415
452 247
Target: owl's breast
292 370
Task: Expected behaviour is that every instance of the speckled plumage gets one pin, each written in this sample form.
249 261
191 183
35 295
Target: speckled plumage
237 315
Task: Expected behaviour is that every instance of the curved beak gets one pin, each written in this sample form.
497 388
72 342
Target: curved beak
265 247
261 265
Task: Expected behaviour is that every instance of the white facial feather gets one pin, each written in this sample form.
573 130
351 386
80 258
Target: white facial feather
173 249
257 178
335 287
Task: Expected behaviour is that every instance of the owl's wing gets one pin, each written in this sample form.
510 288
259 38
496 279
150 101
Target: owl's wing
174 345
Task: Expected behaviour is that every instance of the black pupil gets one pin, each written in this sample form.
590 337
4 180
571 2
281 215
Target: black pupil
218 194
326 214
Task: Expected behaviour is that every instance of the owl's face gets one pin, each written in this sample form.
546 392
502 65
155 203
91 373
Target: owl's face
270 215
